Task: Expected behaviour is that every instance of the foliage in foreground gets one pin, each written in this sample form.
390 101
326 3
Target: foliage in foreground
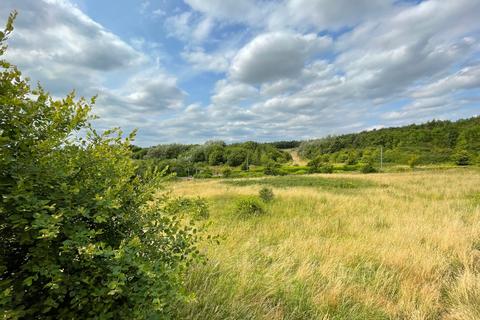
81 234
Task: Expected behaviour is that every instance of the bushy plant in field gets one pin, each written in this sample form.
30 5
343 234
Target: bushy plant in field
249 206
226 172
272 169
203 172
319 165
325 168
368 168
266 194
413 161
352 157
82 236
462 158
196 207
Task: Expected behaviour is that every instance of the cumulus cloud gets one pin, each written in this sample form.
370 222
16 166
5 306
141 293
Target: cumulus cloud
326 14
466 78
153 92
227 93
274 56
56 42
214 62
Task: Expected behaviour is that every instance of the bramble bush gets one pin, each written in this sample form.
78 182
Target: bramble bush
249 206
82 235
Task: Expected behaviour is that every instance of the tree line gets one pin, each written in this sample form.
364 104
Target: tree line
194 159
429 143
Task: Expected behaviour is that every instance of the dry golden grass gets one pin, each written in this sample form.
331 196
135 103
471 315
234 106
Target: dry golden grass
406 248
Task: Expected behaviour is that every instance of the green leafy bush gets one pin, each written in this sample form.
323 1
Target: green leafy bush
236 156
272 169
368 168
249 206
82 235
325 168
413 161
226 172
196 207
462 158
215 158
266 194
319 165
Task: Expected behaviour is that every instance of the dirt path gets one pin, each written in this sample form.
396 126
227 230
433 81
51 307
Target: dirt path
296 157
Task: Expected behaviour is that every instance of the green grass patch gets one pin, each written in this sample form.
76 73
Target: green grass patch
294 169
304 181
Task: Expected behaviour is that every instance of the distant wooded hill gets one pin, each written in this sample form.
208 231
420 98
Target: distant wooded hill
432 142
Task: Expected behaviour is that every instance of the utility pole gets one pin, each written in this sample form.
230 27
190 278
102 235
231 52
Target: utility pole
381 157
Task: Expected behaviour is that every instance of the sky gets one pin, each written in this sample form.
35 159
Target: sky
196 70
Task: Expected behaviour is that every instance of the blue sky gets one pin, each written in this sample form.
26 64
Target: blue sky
194 70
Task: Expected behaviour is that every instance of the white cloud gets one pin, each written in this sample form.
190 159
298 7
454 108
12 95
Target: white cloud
233 10
56 43
274 56
466 78
189 27
215 62
154 92
326 14
227 94
203 29
297 14
159 13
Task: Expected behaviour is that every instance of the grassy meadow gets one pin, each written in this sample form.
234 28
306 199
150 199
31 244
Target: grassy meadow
344 246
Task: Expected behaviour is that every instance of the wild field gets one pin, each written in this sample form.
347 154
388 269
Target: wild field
343 246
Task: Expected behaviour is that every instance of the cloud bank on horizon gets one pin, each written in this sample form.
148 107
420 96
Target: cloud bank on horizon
255 69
